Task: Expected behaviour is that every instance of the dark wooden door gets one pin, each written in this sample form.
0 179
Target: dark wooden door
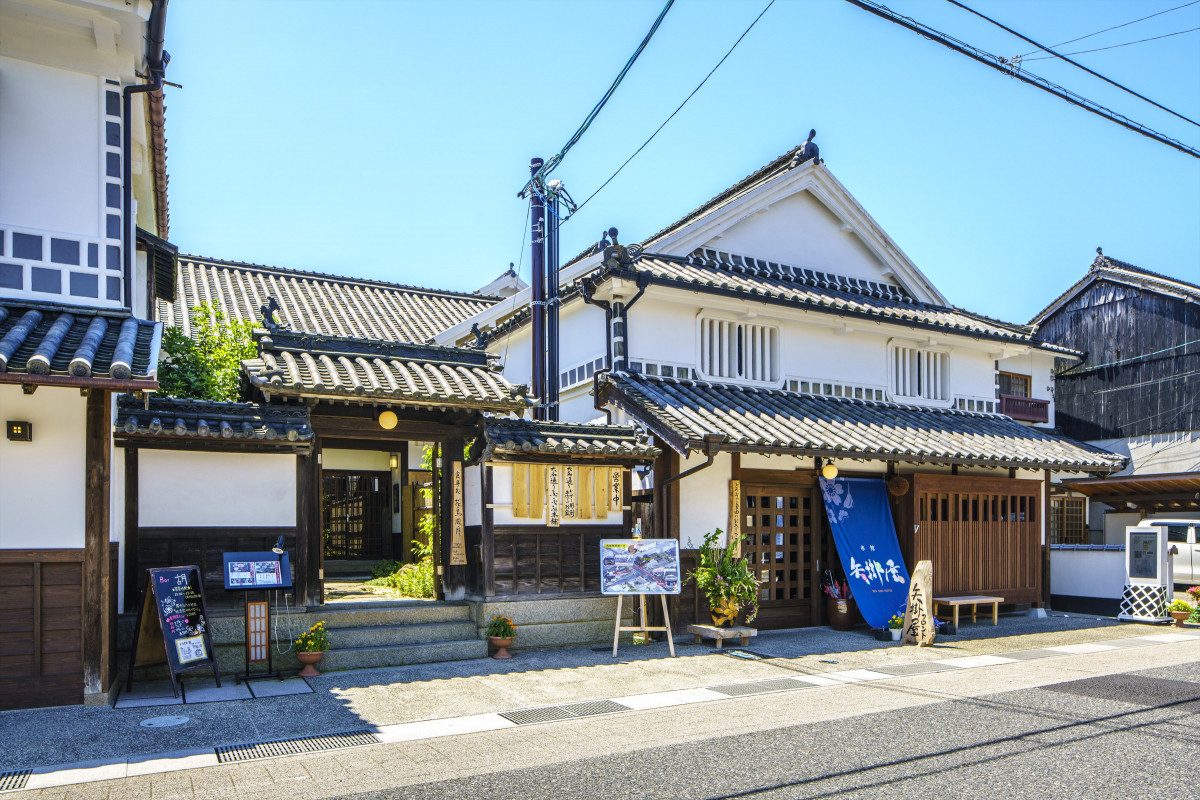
778 522
355 514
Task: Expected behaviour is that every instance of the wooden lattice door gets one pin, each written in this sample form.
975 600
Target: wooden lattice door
354 508
778 524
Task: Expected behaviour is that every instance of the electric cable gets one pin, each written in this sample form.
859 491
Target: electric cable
1013 70
681 105
1084 369
555 160
1113 28
1114 46
1073 63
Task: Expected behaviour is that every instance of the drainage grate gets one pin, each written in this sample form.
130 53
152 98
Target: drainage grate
530 715
741 689
11 781
291 747
597 707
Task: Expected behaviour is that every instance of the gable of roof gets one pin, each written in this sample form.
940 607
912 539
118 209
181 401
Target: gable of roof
315 303
1122 272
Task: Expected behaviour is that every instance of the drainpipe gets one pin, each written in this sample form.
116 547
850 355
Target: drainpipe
712 446
156 59
589 296
619 326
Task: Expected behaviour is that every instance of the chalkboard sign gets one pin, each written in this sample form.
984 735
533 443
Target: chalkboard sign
172 626
249 571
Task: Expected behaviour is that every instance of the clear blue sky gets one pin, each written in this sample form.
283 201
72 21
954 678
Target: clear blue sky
389 139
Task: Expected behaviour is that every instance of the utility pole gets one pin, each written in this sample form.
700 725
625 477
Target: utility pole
537 214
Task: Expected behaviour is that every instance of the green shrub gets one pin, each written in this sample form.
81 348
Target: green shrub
206 366
381 569
410 580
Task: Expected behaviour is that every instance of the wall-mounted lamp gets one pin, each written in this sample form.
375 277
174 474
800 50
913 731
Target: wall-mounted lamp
394 461
388 420
829 471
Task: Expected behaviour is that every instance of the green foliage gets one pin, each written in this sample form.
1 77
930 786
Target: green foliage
381 569
502 627
410 580
207 366
722 575
314 640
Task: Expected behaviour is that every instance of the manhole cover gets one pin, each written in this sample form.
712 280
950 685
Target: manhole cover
163 722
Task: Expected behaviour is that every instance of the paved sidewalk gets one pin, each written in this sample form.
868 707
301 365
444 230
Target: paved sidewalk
377 699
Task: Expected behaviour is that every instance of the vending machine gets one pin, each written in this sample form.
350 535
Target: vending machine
1149 584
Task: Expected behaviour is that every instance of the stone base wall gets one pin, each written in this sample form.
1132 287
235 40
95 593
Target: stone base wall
559 621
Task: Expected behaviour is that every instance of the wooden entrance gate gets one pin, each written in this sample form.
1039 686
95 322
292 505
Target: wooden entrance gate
778 520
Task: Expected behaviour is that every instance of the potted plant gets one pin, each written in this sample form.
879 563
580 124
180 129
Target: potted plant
500 632
725 579
1179 610
310 648
896 626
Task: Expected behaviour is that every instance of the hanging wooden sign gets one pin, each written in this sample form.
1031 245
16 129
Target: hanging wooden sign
172 625
554 509
458 535
616 499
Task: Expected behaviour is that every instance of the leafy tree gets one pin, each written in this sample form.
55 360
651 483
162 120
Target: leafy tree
205 366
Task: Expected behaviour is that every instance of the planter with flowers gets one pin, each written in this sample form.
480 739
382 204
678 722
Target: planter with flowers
310 648
896 626
725 579
1180 610
500 632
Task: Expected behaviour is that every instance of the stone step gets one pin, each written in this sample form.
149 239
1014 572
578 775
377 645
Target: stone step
402 655
382 636
362 615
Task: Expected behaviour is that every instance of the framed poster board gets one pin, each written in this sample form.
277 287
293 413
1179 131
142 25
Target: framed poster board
253 571
1143 552
172 625
639 566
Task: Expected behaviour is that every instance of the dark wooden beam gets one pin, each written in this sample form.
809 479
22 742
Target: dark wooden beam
488 533
405 430
309 542
132 572
96 614
1044 573
97 382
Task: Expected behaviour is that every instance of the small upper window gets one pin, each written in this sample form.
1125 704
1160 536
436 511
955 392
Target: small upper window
917 373
1014 385
742 351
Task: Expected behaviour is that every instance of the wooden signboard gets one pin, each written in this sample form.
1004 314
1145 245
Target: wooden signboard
919 626
458 535
172 625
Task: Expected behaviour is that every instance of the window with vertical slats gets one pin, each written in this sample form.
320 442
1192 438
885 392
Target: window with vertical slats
918 373
739 351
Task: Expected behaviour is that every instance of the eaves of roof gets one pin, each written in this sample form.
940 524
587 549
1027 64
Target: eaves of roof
1106 268
520 439
166 422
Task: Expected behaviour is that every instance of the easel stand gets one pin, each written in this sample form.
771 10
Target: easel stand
642 628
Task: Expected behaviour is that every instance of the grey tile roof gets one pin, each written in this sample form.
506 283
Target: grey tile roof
325 367
311 302
87 344
529 437
165 420
773 420
1105 267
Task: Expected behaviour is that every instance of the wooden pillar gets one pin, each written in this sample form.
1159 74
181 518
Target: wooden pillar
96 644
310 583
454 580
627 504
487 532
1045 570
133 572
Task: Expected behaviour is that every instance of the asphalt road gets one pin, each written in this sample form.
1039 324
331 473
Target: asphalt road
1129 735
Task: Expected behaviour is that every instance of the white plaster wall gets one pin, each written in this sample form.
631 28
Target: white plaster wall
502 502
703 499
51 135
799 230
116 514
1115 523
1087 573
184 488
472 497
363 460
42 482
1039 366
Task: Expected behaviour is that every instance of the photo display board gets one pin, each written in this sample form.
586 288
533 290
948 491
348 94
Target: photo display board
639 566
1143 555
172 626
250 571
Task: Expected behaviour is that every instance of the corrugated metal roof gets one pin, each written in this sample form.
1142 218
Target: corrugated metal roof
524 437
291 364
773 420
77 342
311 302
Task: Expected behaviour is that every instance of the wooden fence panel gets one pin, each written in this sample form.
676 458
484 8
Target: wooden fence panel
538 560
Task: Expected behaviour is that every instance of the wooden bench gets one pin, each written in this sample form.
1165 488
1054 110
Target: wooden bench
974 601
702 632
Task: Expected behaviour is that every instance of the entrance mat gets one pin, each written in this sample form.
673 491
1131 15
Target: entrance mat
12 781
1135 690
760 687
290 747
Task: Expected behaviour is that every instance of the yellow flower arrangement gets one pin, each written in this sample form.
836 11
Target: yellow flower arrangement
315 640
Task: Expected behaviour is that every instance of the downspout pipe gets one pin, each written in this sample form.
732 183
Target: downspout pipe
589 296
156 59
620 325
712 446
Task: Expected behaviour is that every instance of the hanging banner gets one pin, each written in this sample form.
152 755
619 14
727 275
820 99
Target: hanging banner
554 508
458 533
570 494
861 521
734 530
615 498
919 626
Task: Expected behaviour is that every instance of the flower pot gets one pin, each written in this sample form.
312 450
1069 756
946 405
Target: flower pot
724 613
895 634
1179 617
501 644
308 658
841 613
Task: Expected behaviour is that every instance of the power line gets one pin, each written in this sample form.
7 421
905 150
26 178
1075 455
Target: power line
1092 72
1114 46
681 105
1014 71
556 159
1114 27
1086 369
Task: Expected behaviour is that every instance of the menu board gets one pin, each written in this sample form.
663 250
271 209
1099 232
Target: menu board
1143 555
172 626
639 566
248 571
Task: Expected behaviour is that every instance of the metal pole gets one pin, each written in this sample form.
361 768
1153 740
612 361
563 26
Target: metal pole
538 307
